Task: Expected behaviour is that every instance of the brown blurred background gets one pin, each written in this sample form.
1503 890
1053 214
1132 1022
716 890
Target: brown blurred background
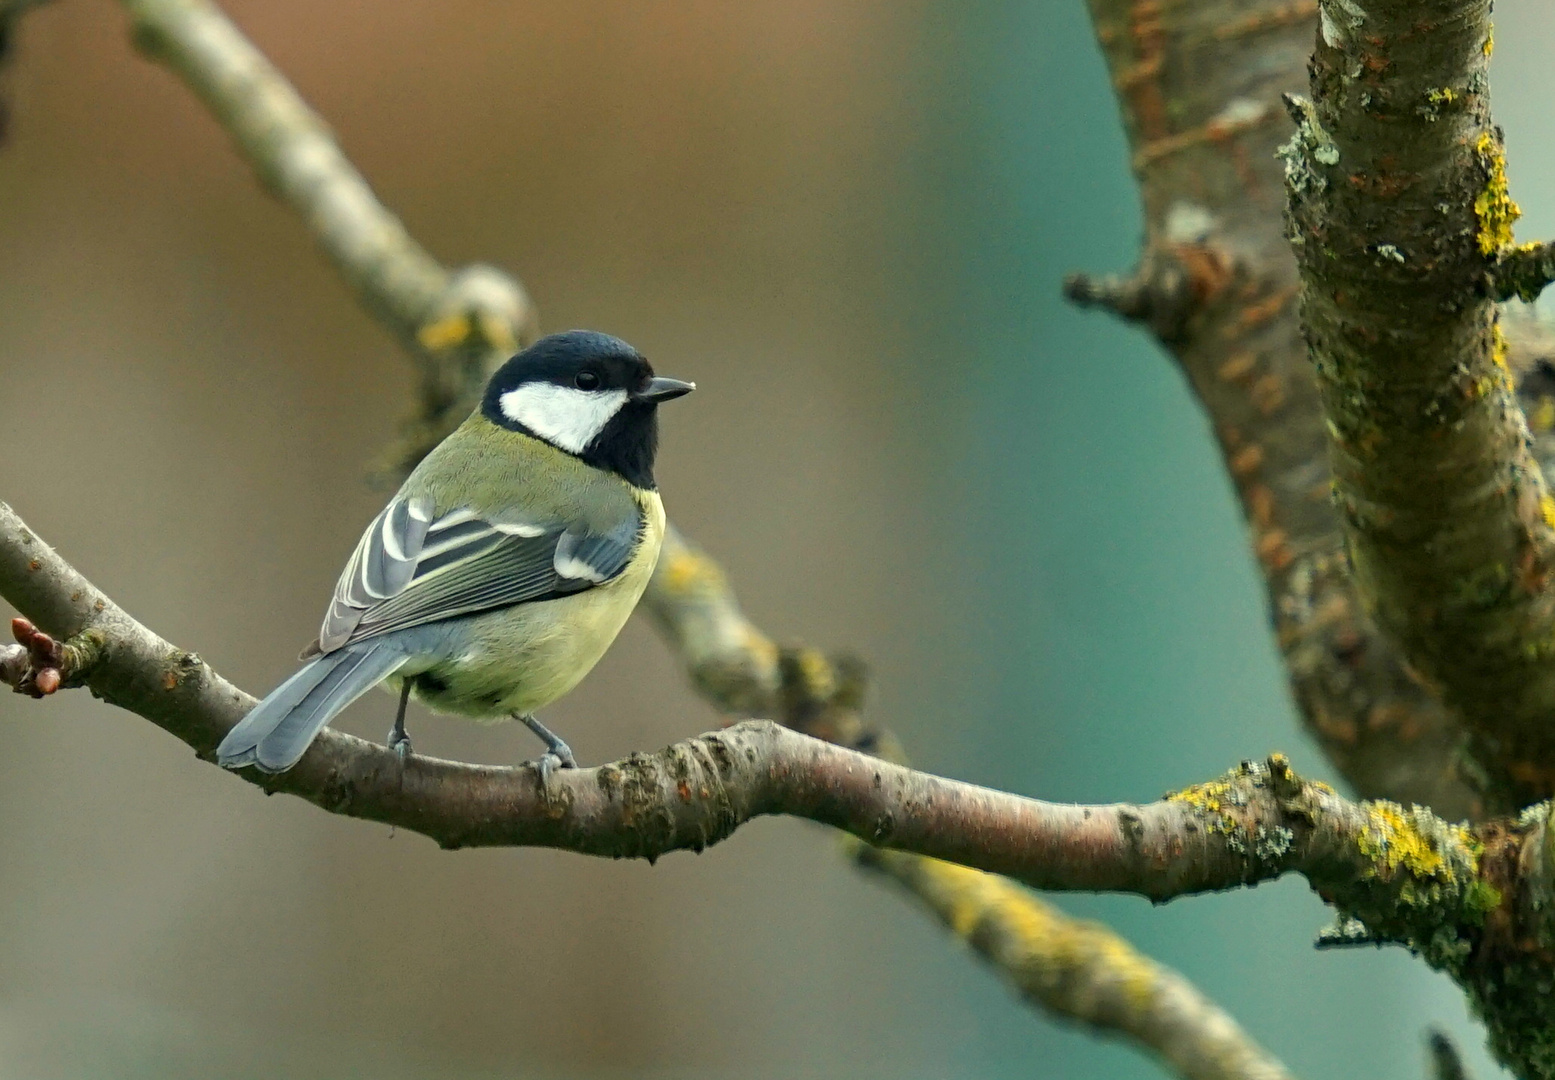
847 221
704 179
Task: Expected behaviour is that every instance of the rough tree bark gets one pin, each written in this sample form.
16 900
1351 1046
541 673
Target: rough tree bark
1399 215
1200 88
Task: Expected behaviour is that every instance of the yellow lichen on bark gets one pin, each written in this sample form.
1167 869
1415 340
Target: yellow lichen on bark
1207 798
1393 840
1493 206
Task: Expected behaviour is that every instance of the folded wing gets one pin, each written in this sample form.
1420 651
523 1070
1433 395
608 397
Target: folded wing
413 568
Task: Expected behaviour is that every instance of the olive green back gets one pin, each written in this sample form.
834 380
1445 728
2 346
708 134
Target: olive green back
509 476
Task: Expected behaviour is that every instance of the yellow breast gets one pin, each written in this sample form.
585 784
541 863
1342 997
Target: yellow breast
520 659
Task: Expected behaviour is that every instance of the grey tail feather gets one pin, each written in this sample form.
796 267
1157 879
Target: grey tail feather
279 730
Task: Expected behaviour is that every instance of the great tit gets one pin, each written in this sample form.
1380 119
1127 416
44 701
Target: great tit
503 568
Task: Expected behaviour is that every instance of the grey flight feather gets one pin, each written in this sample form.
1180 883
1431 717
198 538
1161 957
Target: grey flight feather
410 569
277 731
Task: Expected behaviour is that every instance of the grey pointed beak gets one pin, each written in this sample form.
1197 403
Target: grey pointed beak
662 389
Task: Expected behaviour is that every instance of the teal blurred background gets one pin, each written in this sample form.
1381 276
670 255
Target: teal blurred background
848 222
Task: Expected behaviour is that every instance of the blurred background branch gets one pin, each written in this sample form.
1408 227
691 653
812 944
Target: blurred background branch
1079 969
457 324
11 12
1445 1061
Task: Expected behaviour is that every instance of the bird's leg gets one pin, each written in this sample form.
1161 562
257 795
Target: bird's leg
557 753
399 741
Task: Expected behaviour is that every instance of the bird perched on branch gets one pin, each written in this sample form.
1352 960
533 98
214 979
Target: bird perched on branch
503 568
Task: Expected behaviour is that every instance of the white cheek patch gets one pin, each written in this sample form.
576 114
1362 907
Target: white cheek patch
562 415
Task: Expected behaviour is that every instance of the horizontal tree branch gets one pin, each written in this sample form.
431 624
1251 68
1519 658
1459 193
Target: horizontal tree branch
1252 825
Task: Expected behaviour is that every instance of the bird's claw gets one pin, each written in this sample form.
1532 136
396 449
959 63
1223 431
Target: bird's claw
558 755
399 742
548 762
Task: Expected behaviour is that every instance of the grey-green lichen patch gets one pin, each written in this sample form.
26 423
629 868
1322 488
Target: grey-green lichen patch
1339 20
1271 844
1310 144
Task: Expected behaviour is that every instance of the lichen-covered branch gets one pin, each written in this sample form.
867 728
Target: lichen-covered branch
1257 823
1199 86
692 795
1522 272
1212 187
1399 210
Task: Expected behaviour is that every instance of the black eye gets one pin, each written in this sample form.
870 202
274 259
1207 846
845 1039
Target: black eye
586 380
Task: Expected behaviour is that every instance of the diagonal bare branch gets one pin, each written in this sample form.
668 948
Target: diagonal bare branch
457 324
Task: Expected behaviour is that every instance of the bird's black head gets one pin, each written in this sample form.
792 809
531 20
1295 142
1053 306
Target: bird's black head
586 393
